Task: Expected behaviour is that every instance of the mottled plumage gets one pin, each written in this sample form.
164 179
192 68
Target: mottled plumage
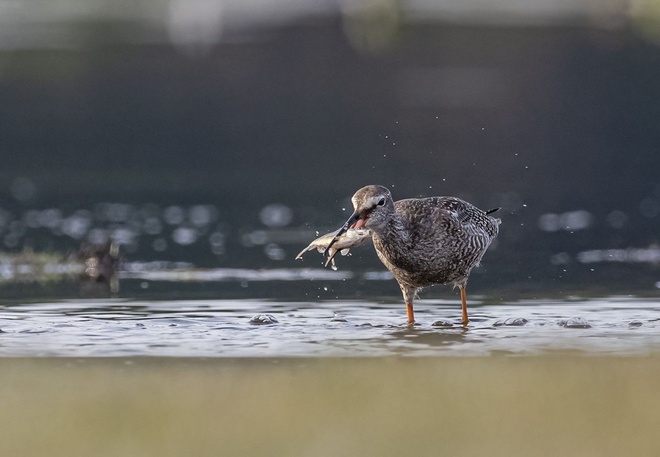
422 241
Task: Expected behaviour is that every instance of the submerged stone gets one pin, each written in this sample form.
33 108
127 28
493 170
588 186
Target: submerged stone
442 324
575 322
263 319
512 322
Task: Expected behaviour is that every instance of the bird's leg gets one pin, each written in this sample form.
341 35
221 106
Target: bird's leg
464 305
411 313
408 297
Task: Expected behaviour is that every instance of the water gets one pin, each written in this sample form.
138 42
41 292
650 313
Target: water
272 328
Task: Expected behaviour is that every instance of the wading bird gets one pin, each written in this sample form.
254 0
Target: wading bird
422 241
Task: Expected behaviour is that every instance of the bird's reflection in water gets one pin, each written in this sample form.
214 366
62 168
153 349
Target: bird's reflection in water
99 277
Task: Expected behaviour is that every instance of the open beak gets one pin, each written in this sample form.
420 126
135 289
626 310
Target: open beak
352 221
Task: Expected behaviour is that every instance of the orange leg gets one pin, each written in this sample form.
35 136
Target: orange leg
464 304
411 314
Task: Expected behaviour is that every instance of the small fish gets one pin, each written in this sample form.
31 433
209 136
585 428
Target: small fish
348 239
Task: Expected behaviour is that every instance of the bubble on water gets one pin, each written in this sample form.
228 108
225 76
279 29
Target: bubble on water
23 189
276 215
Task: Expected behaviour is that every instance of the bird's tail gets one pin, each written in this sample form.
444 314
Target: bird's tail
491 211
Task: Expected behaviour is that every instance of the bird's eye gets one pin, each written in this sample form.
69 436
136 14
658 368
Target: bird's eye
381 202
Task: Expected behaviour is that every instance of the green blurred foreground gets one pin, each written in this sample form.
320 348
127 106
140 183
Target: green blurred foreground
327 407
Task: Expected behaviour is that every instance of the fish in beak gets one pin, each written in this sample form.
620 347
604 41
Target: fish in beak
356 221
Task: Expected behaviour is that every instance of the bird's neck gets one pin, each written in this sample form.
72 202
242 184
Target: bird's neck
393 230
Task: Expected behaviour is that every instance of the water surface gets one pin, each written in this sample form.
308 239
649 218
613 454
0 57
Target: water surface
270 328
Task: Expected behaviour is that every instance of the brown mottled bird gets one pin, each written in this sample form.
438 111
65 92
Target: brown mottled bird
422 241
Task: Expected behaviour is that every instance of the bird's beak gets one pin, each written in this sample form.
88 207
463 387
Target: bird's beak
348 224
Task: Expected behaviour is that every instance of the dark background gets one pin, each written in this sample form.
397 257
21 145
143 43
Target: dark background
272 119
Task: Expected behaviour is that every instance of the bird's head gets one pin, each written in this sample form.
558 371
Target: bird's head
373 207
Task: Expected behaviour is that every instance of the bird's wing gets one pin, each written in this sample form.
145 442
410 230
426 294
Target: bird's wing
427 215
447 214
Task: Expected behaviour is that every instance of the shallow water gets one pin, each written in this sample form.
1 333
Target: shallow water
230 328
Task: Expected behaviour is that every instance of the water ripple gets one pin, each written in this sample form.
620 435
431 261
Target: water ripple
226 328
